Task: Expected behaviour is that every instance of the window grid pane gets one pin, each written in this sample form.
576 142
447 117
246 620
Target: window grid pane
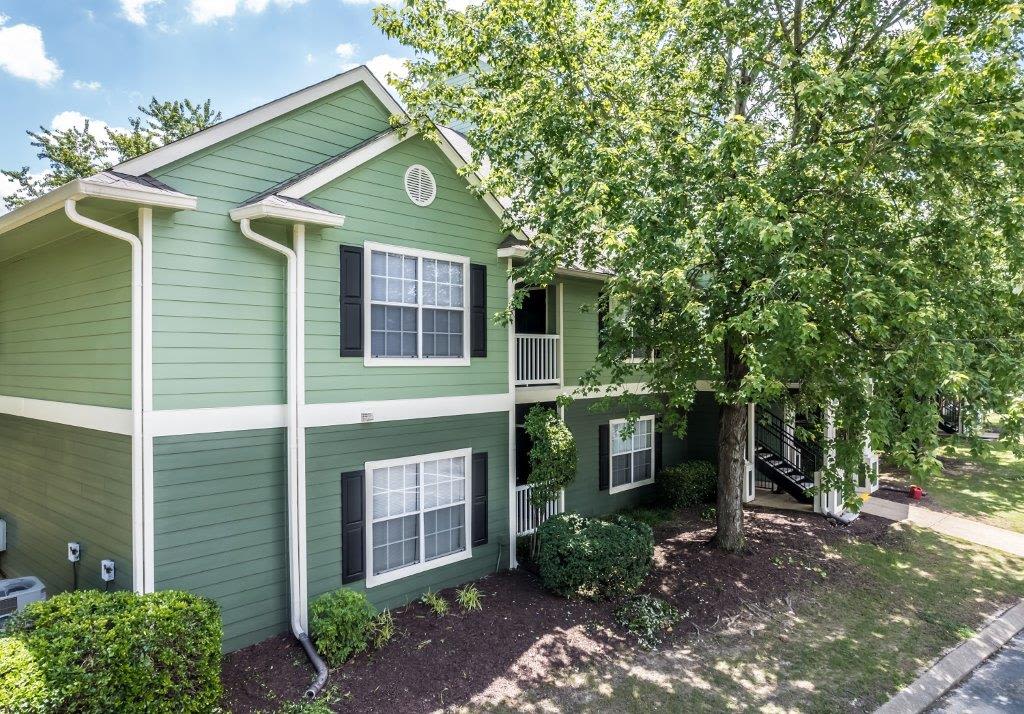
401 493
395 282
633 456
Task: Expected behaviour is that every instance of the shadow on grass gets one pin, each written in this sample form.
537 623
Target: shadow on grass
838 649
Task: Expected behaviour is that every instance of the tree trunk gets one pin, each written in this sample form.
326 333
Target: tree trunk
732 446
732 443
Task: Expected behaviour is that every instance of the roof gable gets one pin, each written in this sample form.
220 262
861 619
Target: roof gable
230 128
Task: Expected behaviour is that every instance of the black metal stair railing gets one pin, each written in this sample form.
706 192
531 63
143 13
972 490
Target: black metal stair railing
949 415
776 445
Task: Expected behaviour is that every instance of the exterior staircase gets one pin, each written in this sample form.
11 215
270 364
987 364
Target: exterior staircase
786 461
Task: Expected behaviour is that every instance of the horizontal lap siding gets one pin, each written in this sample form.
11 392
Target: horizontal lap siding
65 321
580 327
377 209
61 484
221 526
331 451
218 298
583 495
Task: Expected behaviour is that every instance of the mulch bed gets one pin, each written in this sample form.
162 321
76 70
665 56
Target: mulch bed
524 633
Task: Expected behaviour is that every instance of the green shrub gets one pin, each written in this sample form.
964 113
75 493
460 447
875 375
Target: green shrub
92 651
553 455
592 557
646 617
651 516
691 483
341 623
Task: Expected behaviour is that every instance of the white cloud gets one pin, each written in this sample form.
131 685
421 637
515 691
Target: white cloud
346 50
383 65
207 11
86 86
134 11
310 59
23 54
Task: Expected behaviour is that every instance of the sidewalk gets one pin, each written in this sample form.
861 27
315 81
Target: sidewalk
947 524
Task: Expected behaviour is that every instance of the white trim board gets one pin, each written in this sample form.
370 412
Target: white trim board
398 409
178 422
85 416
260 115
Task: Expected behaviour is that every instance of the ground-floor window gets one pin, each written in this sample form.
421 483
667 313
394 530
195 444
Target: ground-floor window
420 514
632 454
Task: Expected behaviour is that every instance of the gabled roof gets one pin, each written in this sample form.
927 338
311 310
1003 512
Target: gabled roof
228 128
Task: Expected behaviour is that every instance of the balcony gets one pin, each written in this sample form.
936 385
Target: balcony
536 360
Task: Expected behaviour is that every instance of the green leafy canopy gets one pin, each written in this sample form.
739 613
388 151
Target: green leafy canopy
553 455
823 193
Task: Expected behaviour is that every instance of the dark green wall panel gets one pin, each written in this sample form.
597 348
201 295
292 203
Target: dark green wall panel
332 451
59 484
222 526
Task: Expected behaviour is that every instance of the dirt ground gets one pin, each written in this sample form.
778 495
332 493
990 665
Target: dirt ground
523 632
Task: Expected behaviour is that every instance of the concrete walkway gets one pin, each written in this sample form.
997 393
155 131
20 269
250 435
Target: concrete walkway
948 524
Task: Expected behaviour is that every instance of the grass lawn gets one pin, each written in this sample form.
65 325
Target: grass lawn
989 488
835 649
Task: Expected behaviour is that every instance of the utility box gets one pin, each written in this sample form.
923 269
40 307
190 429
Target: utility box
3 535
17 593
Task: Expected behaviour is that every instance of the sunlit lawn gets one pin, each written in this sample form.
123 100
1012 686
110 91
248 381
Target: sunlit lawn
988 487
843 646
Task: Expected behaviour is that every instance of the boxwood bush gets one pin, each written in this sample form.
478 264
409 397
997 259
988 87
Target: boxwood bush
688 484
594 558
92 651
341 623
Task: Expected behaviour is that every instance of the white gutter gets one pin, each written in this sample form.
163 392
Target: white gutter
140 497
295 319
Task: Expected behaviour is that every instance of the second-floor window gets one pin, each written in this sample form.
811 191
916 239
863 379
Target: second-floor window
417 306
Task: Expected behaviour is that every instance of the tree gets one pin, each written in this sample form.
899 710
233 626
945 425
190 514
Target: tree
816 192
76 152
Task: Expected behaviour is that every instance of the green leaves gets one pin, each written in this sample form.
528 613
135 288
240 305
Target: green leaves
838 187
552 456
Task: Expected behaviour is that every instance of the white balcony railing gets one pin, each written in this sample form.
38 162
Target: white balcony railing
528 516
536 360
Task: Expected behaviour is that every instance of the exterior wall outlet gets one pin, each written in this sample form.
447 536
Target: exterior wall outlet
74 552
107 570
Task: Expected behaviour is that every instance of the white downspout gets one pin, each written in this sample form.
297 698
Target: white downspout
140 499
295 325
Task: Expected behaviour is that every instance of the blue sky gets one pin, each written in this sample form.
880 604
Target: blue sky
62 60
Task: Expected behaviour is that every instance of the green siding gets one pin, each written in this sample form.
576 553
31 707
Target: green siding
61 484
65 321
332 451
579 351
376 208
583 495
218 299
221 526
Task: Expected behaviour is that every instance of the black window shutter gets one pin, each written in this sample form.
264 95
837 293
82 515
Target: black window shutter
351 301
604 451
479 498
477 310
353 527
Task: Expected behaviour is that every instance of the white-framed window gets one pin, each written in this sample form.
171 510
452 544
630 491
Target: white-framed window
631 454
418 508
417 307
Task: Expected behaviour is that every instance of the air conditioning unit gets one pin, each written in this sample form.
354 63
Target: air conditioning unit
17 593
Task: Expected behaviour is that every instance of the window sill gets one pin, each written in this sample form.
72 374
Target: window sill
415 362
392 575
630 486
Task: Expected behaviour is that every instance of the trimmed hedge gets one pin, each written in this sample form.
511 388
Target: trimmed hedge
688 484
93 651
594 558
341 623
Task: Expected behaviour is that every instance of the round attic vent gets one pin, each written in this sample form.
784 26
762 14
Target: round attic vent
419 184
